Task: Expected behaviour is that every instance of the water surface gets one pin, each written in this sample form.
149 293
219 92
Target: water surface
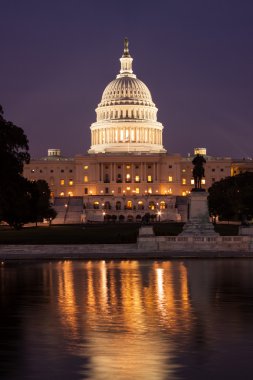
123 320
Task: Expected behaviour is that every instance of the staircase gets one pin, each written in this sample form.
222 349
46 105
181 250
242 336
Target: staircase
69 210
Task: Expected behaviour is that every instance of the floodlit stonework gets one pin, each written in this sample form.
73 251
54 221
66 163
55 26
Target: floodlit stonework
127 172
126 116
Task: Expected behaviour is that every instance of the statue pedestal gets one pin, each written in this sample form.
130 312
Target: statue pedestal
198 223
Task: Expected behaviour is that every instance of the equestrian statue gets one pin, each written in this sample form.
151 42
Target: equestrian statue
198 171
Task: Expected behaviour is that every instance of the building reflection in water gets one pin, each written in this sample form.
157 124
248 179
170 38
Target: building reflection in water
67 298
116 314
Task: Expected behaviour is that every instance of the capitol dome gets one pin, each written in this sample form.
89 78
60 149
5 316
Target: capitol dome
126 115
126 90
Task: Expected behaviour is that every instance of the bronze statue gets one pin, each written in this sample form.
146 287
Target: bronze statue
198 171
126 48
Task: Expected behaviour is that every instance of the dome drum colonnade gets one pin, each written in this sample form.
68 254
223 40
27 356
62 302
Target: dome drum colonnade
126 116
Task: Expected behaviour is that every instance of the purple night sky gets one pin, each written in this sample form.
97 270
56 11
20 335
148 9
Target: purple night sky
195 56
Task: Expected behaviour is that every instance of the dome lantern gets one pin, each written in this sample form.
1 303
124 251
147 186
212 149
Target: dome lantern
126 62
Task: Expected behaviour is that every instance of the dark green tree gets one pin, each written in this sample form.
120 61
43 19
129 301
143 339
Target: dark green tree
232 197
21 201
13 187
16 203
13 148
40 202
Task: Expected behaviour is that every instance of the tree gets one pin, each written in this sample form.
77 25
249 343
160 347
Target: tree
16 203
21 201
13 148
40 202
13 187
232 197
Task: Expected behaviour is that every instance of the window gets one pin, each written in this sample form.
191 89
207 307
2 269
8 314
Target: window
119 190
149 178
213 170
170 166
183 170
203 181
222 170
128 188
192 181
86 190
71 182
149 166
85 179
137 190
128 177
106 167
213 179
183 181
41 171
51 171
128 166
151 205
129 205
119 166
136 167
162 205
170 178
62 171
107 190
118 205
107 205
96 205
150 190
62 182
140 205
62 194
106 178
137 178
86 167
70 170
119 179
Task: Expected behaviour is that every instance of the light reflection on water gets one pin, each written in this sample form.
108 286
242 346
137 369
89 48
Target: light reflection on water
127 320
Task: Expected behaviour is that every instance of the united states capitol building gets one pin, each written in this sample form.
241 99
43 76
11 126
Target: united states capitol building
127 171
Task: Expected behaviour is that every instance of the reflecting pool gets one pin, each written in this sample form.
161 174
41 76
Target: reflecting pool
121 320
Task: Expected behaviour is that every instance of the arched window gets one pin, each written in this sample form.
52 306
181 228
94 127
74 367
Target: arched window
151 205
96 205
129 205
140 205
118 205
107 205
163 205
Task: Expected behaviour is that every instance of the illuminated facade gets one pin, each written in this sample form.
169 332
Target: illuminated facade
126 116
127 172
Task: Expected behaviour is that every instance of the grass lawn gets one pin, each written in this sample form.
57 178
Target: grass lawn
71 234
93 233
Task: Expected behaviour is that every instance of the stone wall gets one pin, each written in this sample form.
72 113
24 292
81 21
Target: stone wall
197 243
